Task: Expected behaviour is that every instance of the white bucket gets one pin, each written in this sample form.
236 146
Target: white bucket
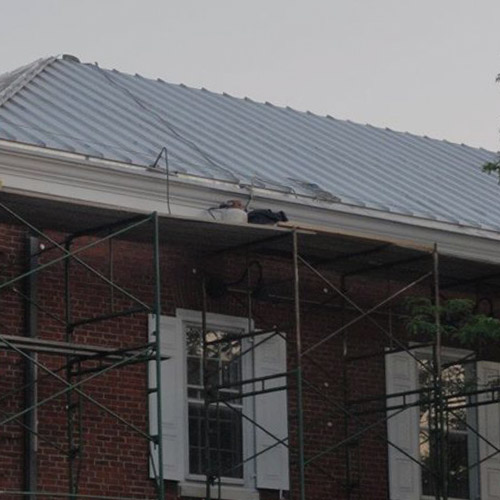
233 215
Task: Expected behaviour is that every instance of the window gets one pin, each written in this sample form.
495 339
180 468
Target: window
225 424
232 438
458 440
471 434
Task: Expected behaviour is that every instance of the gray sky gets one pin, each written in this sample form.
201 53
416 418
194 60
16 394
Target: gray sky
425 66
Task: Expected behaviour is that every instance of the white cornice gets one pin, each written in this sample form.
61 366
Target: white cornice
71 178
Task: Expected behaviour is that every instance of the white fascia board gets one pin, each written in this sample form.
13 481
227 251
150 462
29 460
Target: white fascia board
72 178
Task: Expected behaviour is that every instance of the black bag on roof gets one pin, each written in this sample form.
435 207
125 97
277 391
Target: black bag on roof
266 216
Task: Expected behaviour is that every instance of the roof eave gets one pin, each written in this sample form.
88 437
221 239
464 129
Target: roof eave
80 180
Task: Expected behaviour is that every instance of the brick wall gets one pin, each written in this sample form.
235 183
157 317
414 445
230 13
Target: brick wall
114 457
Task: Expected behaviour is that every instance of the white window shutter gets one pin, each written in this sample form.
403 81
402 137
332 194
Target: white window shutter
272 414
403 429
488 374
172 397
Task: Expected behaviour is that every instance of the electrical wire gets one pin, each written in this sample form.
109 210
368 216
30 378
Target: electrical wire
143 154
250 196
210 211
170 128
164 152
181 164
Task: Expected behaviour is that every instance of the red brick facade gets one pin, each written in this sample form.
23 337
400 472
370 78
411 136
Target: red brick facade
115 459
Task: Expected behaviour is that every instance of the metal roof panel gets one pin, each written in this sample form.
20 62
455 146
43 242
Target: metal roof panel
67 105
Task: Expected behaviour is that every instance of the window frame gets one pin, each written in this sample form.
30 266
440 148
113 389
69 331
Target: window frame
223 322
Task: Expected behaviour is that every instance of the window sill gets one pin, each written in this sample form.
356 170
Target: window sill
197 490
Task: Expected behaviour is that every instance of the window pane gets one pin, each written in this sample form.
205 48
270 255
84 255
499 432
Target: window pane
225 441
195 393
229 350
213 349
193 339
213 371
231 373
457 418
458 475
194 371
425 373
427 457
457 465
195 438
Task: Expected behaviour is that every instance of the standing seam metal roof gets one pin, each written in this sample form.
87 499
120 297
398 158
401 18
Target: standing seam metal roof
65 105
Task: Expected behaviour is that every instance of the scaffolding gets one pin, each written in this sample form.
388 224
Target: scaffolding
307 251
424 265
82 362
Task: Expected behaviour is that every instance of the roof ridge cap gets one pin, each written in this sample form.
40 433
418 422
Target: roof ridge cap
29 72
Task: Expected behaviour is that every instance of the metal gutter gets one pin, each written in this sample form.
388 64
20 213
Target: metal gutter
225 185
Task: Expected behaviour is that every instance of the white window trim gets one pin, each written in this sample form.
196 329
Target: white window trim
267 471
230 486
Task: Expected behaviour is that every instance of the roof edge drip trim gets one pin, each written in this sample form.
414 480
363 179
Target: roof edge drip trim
25 77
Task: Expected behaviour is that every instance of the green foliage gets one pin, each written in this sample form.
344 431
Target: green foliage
479 327
492 167
457 319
